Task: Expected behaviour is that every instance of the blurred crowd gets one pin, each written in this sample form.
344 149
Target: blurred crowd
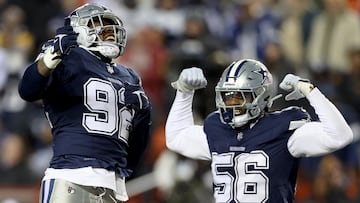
317 39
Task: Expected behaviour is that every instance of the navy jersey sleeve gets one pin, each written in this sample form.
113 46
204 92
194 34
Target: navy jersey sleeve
294 113
135 76
139 136
32 84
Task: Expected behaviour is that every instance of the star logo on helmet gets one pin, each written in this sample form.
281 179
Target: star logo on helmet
263 73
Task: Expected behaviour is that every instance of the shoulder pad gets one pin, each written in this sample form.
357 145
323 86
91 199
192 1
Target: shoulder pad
297 116
128 75
134 75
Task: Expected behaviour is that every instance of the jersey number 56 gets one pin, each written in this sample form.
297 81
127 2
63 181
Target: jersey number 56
248 184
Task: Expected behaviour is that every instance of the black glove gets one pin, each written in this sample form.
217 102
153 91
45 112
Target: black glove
65 38
135 97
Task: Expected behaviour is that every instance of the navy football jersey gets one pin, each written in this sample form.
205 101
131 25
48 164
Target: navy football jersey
253 164
95 120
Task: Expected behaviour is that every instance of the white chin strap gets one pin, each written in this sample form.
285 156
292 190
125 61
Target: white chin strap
240 120
107 49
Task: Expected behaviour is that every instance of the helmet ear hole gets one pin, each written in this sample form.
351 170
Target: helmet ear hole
82 37
91 38
254 112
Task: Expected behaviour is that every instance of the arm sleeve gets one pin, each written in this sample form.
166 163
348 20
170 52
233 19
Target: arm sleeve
318 138
182 135
32 84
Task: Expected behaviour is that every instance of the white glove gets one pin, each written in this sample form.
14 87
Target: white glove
51 60
299 87
190 79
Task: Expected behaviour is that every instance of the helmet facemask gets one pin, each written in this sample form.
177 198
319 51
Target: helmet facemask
95 24
250 84
234 106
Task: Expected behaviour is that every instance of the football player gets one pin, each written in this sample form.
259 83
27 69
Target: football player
254 153
98 111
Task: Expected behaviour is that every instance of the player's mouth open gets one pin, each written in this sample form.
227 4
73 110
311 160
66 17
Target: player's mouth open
110 38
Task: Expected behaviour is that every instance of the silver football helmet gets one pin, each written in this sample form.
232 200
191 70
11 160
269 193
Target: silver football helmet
248 81
90 20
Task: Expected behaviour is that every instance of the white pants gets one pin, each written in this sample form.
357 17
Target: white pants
62 191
